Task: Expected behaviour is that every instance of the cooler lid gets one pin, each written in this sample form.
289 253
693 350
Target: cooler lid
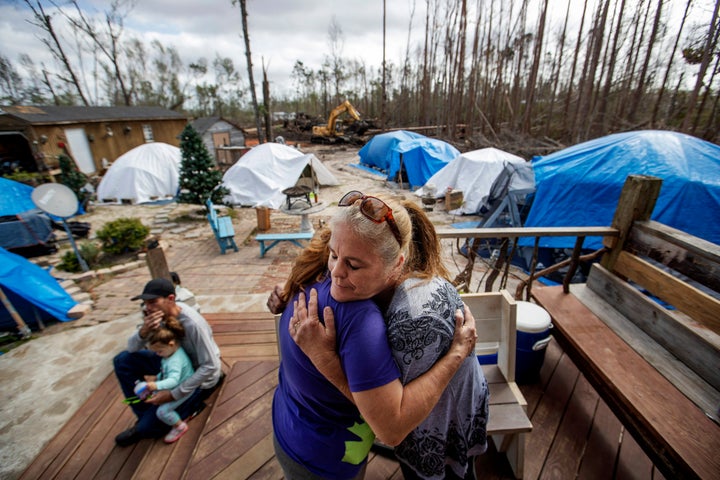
532 318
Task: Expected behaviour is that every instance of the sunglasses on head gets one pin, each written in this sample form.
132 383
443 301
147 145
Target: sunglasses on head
374 209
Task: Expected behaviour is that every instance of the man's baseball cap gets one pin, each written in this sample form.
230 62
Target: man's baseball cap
159 287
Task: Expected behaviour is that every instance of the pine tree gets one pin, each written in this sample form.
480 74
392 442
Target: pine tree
199 179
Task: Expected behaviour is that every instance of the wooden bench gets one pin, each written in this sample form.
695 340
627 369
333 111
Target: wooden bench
657 368
495 318
222 228
276 238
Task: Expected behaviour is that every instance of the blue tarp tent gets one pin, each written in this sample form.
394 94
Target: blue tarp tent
22 224
581 185
32 291
419 157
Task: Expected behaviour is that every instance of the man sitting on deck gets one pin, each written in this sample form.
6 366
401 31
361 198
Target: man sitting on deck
137 361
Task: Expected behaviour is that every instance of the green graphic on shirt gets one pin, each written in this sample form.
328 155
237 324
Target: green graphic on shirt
356 452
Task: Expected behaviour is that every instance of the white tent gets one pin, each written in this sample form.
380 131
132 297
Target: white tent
259 177
474 173
144 174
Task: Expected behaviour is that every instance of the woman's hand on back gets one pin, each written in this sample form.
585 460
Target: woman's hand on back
274 302
465 333
316 340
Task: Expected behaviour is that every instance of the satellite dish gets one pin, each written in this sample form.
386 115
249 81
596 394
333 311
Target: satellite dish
55 199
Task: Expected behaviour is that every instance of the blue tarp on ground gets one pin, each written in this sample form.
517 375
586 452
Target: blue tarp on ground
421 156
15 197
22 224
581 185
32 291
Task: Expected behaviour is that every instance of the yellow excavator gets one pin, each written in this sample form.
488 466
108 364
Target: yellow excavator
334 132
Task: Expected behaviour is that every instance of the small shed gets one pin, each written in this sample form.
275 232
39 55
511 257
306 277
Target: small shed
224 140
33 137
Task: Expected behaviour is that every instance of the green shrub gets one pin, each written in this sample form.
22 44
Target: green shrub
69 262
89 251
32 179
123 235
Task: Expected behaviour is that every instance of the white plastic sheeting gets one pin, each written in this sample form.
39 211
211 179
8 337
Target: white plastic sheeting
474 173
146 173
258 178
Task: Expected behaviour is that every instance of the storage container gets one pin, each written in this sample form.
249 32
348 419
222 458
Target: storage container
453 199
533 336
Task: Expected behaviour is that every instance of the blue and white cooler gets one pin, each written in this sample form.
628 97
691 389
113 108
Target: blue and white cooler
533 336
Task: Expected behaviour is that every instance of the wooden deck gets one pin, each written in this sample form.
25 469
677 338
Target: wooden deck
575 435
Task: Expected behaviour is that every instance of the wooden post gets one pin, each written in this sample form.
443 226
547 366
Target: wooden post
156 260
22 326
637 201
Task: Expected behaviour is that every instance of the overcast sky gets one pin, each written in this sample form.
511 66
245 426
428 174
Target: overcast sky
281 31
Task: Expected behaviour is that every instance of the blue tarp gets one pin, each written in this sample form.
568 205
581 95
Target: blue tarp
581 185
22 224
32 291
421 156
15 197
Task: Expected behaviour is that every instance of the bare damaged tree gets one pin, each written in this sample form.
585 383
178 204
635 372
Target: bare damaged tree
640 90
611 62
108 41
704 63
266 103
532 81
44 22
668 68
246 36
335 61
569 94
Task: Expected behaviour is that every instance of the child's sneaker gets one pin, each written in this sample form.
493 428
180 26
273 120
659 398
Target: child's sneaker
176 432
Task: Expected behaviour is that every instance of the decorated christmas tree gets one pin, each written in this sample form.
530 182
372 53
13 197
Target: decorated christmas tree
73 178
199 179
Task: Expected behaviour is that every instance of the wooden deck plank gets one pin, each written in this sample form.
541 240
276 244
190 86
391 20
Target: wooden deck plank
244 420
381 467
570 440
632 461
60 448
603 442
548 416
246 465
243 389
270 471
96 450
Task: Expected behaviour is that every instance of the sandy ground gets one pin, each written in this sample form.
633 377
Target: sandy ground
46 380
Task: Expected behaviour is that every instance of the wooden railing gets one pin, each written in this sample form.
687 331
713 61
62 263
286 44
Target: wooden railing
507 240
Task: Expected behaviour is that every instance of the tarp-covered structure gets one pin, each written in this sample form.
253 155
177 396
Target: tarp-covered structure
147 173
259 177
475 173
581 185
407 155
22 224
32 291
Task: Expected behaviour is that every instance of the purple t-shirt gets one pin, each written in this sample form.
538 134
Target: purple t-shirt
313 421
